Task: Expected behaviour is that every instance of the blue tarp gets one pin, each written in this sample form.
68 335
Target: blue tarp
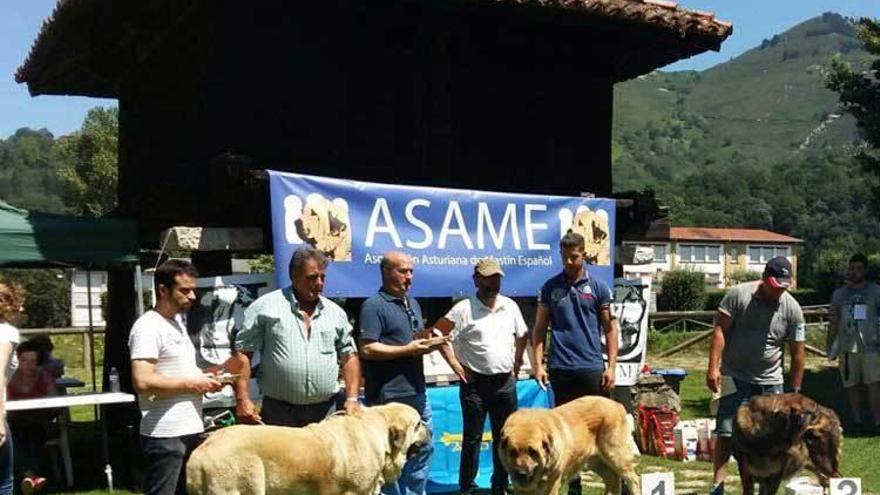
447 435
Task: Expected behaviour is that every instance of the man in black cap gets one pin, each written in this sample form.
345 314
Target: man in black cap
753 323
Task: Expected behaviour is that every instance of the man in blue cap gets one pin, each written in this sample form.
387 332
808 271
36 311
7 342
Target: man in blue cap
754 322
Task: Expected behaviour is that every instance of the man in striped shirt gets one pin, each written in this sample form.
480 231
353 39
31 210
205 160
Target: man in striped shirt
168 382
304 339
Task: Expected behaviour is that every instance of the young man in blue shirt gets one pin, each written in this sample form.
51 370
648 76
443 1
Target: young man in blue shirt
578 309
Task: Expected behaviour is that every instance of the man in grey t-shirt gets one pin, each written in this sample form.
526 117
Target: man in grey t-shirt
853 324
753 323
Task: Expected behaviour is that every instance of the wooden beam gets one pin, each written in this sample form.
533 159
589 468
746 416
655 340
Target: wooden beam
684 345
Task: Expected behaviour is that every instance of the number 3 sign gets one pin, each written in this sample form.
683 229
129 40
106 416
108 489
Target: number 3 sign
846 486
664 484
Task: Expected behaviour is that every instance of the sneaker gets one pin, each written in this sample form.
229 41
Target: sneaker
717 489
27 485
32 484
39 483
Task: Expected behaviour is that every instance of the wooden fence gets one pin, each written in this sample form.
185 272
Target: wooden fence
700 322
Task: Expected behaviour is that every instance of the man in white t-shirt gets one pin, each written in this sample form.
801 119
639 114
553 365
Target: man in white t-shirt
488 338
168 382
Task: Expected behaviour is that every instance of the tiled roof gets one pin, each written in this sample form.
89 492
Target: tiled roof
84 46
662 13
729 235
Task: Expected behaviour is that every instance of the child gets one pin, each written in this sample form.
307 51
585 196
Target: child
30 428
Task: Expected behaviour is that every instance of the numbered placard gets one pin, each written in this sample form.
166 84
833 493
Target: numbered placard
663 484
846 486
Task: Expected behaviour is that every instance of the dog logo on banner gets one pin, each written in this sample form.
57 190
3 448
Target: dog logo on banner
593 226
321 223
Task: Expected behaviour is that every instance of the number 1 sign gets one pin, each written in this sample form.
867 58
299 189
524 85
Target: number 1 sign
663 484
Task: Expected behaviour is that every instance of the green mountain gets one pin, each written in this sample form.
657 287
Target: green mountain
757 142
761 108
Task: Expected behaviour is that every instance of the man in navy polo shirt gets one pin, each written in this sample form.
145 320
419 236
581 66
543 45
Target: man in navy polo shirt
392 345
578 309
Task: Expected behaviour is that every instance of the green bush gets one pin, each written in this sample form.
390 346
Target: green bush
47 303
264 263
743 275
682 290
713 299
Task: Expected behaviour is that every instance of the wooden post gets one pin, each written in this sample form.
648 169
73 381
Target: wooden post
86 351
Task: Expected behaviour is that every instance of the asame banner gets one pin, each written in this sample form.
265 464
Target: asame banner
444 230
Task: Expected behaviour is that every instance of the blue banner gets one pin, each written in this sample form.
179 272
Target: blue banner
444 230
446 407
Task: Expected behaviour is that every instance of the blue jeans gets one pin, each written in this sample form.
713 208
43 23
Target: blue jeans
166 458
729 404
414 477
6 464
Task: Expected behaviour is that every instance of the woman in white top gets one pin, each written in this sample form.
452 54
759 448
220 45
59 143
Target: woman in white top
11 305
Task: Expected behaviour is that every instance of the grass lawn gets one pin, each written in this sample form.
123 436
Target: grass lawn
100 492
821 382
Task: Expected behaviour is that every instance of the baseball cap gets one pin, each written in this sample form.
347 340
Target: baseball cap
777 272
488 267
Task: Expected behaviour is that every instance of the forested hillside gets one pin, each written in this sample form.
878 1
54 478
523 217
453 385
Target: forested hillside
755 142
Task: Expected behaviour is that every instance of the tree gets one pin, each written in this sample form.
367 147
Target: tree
89 168
860 96
28 171
47 302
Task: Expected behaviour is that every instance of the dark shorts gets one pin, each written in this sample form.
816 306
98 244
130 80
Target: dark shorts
729 404
569 385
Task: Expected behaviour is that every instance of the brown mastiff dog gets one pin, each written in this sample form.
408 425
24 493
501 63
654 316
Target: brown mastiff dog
342 455
543 448
775 436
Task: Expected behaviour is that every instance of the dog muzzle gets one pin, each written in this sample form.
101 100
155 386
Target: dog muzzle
521 477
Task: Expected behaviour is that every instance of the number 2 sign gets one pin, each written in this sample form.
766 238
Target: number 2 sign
664 484
846 486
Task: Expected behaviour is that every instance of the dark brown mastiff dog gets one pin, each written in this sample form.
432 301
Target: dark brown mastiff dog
775 436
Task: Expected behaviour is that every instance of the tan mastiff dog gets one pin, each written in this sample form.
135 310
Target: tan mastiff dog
543 448
342 455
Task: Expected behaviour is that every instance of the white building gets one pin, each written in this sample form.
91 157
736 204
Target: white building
717 253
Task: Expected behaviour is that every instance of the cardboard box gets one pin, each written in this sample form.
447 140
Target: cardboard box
706 440
685 442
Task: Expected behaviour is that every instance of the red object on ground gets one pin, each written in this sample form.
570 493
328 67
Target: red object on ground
656 431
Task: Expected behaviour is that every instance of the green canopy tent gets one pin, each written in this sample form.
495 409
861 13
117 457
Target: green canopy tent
40 240
29 239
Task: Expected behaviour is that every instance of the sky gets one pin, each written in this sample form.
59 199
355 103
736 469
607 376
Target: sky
20 20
